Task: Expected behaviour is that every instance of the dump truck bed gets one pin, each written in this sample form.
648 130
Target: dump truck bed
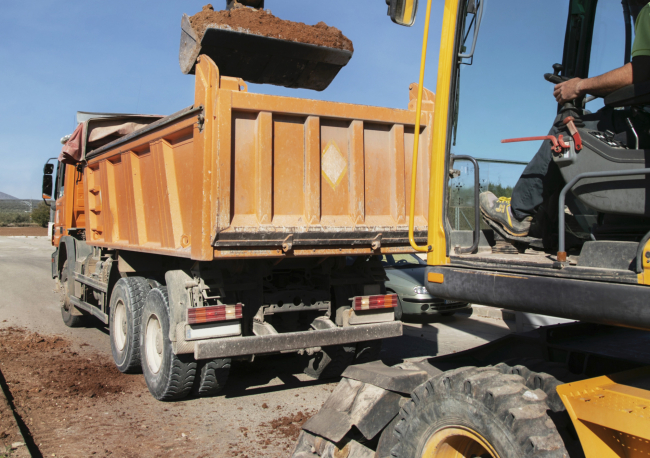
251 175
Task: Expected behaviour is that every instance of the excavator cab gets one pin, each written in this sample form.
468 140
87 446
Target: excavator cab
596 229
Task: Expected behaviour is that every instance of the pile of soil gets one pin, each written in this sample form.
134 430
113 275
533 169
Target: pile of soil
263 23
52 370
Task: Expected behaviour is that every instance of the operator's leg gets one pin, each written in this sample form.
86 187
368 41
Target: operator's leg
541 178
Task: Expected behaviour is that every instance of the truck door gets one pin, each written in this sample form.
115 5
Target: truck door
58 229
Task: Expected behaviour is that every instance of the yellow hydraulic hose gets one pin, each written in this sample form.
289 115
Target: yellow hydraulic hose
416 142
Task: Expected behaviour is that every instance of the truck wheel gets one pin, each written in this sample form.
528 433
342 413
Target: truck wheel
127 299
169 377
331 361
476 412
367 351
72 317
211 377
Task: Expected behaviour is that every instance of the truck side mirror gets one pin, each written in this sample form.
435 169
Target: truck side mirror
403 12
47 186
48 171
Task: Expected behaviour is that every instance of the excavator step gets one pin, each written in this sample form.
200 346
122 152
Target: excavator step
262 60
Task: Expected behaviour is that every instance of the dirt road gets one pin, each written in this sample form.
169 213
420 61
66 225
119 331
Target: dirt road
74 403
29 231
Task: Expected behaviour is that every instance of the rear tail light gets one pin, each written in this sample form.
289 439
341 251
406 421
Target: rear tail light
375 302
211 314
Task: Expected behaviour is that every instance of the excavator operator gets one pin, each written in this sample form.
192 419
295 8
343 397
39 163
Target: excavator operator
541 179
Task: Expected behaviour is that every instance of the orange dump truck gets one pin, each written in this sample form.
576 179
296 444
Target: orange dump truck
246 224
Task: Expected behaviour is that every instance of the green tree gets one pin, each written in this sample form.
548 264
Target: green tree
41 214
501 191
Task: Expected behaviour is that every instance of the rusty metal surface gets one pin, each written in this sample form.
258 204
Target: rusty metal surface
253 176
244 346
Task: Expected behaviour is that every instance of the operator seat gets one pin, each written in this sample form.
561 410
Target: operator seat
603 151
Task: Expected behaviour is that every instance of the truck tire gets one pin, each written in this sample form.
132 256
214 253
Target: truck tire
211 377
367 351
330 362
72 317
127 299
169 377
480 412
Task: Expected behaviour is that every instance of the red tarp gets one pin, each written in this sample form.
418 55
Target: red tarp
71 151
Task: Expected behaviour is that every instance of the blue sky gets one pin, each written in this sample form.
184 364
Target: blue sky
122 56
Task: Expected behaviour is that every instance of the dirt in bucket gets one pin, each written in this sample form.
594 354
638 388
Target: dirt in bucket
263 23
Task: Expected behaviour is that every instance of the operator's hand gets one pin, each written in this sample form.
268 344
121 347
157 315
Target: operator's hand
568 90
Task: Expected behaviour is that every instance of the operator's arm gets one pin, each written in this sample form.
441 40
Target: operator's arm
598 85
635 72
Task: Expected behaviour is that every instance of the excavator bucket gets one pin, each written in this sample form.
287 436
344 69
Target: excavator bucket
262 60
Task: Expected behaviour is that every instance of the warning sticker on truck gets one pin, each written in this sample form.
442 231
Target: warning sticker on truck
333 165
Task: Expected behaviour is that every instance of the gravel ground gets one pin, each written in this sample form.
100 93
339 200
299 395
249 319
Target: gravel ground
75 403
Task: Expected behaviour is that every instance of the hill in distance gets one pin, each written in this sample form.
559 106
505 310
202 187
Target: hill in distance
4 196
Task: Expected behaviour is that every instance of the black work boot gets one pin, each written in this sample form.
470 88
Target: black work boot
499 211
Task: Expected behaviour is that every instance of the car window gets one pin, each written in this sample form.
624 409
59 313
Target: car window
401 260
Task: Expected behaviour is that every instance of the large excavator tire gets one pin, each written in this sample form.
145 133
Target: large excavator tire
540 374
478 412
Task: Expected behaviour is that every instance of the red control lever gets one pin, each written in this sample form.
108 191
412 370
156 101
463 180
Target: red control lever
568 121
556 145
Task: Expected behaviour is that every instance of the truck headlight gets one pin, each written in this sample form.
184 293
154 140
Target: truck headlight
419 290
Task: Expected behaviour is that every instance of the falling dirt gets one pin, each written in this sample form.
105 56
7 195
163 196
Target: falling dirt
262 22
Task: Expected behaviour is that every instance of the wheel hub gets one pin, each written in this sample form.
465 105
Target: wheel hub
458 442
159 344
119 334
153 344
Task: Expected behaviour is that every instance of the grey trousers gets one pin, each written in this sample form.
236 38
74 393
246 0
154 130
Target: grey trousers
542 178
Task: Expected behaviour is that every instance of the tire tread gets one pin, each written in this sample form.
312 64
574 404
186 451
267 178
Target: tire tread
211 376
521 410
138 288
179 381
